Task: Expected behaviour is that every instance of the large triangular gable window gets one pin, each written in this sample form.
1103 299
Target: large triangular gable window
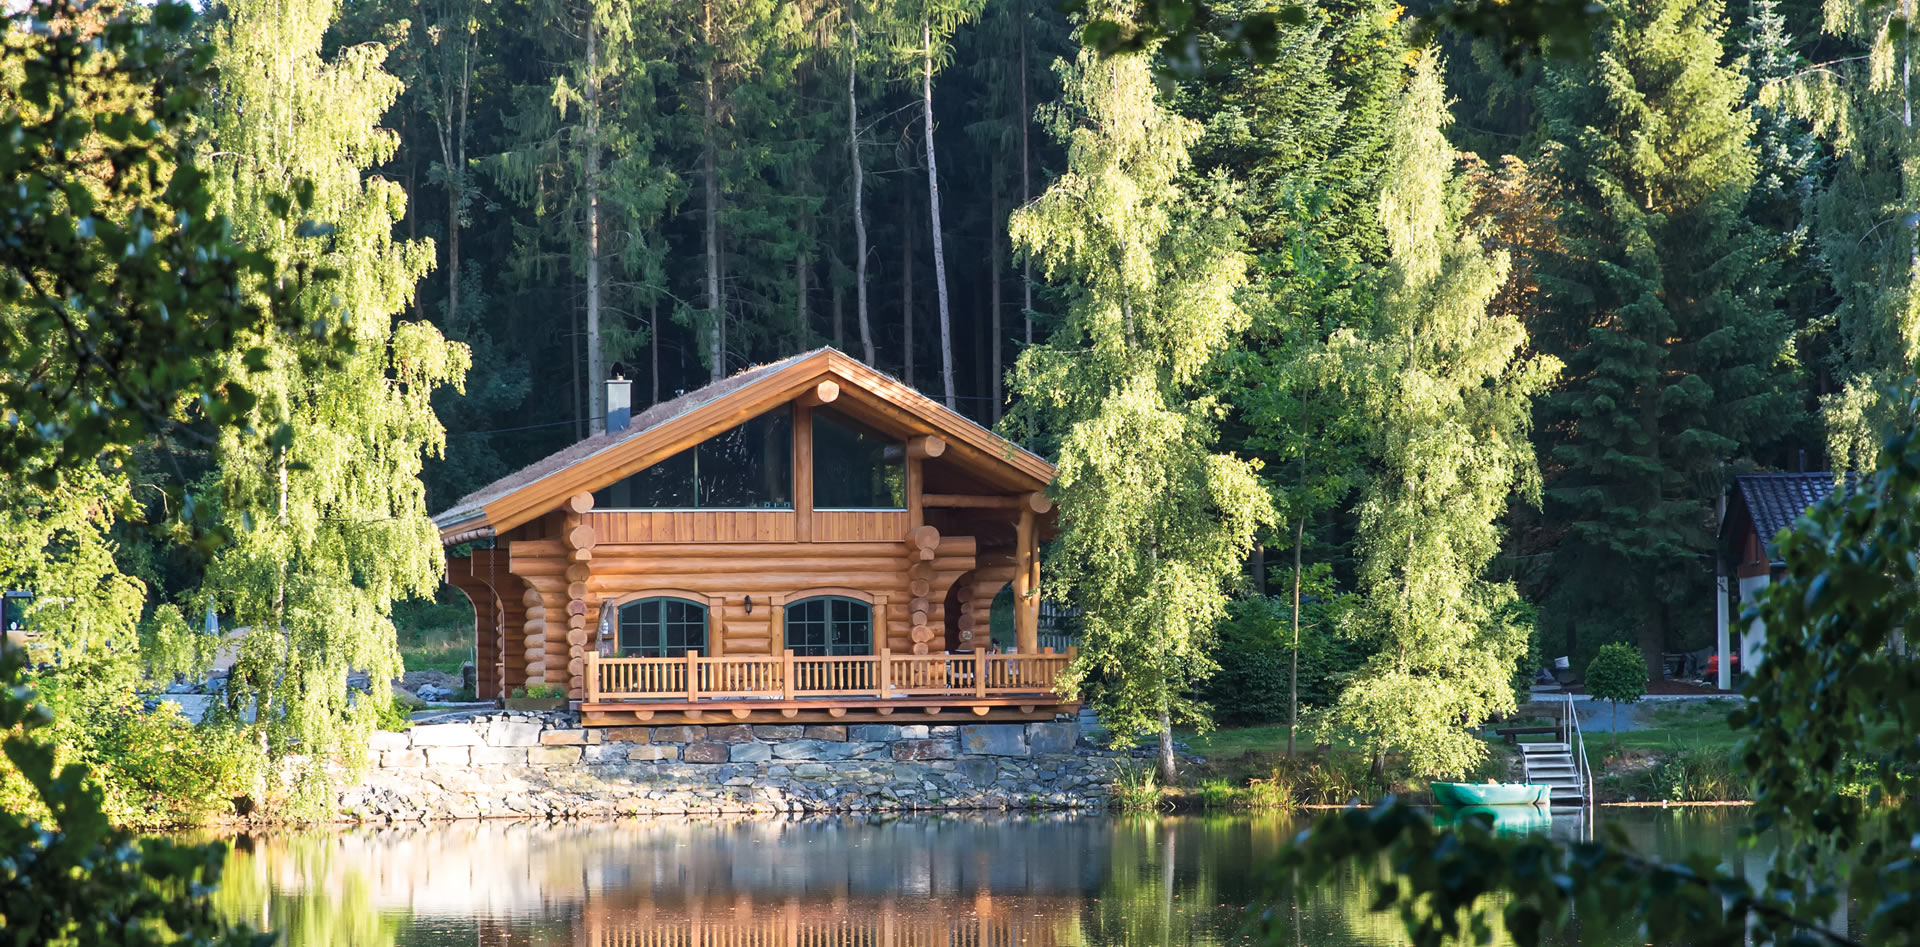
856 467
749 467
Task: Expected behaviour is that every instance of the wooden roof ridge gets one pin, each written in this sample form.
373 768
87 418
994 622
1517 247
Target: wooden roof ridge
680 422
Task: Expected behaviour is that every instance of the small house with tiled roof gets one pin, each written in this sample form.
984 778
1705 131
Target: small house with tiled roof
804 541
1760 507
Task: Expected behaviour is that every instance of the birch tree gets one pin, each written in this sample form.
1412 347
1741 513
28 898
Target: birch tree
1154 523
329 516
1448 386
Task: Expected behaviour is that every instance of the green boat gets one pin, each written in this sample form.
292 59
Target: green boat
1491 794
1506 820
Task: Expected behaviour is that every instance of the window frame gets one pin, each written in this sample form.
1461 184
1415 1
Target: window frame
827 600
793 474
660 626
835 418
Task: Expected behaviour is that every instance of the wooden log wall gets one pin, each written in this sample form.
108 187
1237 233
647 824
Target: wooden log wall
489 621
748 566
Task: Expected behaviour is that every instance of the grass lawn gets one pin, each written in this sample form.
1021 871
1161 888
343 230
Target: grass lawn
1223 743
1694 724
435 636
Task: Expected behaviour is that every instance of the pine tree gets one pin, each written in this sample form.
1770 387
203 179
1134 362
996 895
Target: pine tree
1867 220
1154 522
329 518
1447 386
1664 309
582 161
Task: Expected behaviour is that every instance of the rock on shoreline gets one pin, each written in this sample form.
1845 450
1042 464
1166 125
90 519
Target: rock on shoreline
517 765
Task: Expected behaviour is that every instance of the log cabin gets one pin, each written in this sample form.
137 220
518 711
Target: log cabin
805 541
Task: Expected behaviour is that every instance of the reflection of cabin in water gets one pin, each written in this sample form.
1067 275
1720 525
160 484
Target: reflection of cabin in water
802 541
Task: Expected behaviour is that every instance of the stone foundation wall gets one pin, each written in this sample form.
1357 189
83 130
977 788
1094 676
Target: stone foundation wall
512 765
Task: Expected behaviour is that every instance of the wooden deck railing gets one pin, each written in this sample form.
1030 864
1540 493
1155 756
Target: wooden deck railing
790 677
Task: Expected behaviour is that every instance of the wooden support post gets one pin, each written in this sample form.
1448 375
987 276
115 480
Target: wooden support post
979 672
1026 601
916 514
803 468
593 677
880 676
786 674
776 624
693 676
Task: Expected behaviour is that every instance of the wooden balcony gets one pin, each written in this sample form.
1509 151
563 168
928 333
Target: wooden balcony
901 688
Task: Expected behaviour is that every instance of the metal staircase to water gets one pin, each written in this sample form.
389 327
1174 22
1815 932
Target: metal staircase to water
1560 764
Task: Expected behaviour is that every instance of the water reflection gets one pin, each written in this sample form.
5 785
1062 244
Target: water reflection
938 881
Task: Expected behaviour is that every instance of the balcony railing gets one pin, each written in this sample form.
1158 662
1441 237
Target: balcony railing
790 677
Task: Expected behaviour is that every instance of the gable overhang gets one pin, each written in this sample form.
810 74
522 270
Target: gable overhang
865 394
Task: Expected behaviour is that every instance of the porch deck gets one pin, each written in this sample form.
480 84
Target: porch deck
800 689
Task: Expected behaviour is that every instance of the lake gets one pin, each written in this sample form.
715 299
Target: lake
932 880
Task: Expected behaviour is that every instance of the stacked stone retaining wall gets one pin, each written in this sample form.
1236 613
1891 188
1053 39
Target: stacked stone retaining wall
509 765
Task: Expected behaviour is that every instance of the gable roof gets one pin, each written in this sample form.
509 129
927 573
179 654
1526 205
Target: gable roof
1775 501
672 426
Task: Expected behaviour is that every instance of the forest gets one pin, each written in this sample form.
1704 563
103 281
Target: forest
1702 231
1453 341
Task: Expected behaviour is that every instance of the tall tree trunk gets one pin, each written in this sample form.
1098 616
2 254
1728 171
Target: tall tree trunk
1026 186
579 402
1168 770
993 321
1293 674
839 300
933 213
716 305
906 287
859 212
801 330
653 338
596 392
453 151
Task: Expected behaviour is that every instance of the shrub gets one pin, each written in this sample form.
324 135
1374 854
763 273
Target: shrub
394 718
1617 674
1136 788
545 691
1255 651
75 879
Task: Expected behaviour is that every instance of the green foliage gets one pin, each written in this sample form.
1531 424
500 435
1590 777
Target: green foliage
329 521
1617 675
119 280
1154 524
1689 774
1829 765
75 880
1273 793
1136 788
1864 224
541 691
394 718
154 768
1254 653
1448 386
1664 306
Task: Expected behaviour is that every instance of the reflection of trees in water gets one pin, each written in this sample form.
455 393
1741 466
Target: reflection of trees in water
954 881
271 886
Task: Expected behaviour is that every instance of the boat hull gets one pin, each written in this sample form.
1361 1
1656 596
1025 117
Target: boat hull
1491 794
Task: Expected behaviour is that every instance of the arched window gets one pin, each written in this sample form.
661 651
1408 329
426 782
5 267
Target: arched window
662 628
829 625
